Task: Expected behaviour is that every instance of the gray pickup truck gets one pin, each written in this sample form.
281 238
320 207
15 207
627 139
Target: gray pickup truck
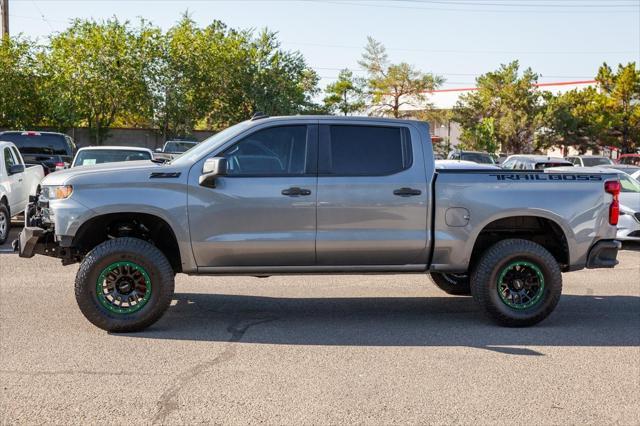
320 195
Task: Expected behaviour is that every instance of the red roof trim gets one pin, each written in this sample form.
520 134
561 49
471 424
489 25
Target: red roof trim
559 83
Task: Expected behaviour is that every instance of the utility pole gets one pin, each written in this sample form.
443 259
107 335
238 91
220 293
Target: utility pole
4 9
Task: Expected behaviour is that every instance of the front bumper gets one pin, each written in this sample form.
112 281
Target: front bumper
603 254
38 237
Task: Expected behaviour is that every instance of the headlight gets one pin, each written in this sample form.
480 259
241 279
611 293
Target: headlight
56 192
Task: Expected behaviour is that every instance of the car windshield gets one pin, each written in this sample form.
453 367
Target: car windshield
595 161
210 144
38 143
178 146
89 157
477 157
629 184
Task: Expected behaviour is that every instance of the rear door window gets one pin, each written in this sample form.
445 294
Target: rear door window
364 150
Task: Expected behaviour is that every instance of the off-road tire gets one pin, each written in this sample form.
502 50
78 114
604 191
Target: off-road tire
486 274
6 219
139 252
456 284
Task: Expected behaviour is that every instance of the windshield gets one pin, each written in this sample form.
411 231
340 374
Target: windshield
629 185
633 160
178 146
210 144
38 143
90 157
477 157
595 161
546 165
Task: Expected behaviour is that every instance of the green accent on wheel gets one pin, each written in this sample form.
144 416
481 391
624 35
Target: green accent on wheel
521 285
123 287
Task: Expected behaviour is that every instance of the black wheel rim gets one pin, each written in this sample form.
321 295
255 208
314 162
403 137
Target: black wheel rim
521 285
123 287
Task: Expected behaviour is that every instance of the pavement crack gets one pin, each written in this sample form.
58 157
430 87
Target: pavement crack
168 401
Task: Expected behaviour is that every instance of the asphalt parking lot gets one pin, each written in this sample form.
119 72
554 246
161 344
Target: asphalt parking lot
318 350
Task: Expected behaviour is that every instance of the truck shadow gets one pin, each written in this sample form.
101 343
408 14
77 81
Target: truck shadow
579 320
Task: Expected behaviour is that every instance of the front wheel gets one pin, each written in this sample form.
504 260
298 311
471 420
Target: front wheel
125 284
5 223
456 284
517 282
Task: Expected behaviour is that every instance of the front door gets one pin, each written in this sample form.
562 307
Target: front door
263 212
372 196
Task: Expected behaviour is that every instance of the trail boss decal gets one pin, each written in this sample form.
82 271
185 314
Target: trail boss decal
547 176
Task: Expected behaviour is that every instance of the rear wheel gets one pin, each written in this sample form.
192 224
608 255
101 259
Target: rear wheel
517 283
124 284
5 222
457 284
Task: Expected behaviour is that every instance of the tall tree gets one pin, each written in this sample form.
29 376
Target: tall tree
392 86
99 70
20 100
574 118
346 95
622 103
510 100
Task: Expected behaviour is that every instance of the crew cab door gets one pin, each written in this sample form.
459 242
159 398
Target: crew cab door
372 195
263 211
15 193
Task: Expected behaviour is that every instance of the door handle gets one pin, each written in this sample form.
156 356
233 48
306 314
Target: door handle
406 192
295 191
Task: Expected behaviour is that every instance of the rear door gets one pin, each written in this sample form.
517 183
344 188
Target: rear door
372 195
263 212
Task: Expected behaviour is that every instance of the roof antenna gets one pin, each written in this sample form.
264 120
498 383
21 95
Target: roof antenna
258 115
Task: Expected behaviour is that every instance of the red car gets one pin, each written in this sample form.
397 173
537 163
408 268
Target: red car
631 159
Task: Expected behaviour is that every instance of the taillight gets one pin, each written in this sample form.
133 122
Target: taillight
59 166
613 187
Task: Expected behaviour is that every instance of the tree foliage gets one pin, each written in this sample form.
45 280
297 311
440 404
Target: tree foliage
346 95
621 104
510 100
20 103
392 86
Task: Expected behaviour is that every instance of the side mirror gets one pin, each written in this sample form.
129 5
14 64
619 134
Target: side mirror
16 168
212 168
158 149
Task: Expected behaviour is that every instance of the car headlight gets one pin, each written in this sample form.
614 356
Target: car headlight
56 192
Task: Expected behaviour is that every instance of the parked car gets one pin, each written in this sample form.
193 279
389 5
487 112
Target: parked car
474 156
589 160
177 147
533 162
54 151
629 159
17 182
92 155
464 165
310 195
628 169
629 222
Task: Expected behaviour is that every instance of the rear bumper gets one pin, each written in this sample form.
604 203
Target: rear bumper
603 254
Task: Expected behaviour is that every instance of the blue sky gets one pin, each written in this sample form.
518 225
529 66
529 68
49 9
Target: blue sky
459 39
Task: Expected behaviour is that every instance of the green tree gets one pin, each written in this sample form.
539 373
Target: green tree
20 101
574 118
346 95
482 136
98 71
621 104
510 100
392 86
